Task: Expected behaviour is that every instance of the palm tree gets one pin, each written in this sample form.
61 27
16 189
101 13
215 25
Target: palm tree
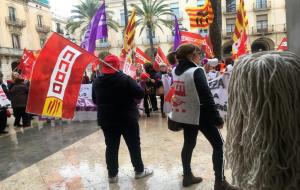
83 14
151 15
215 29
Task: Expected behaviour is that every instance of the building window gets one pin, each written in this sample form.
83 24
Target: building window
262 23
122 21
230 6
175 9
230 26
40 20
58 29
261 4
200 3
42 42
12 14
103 40
15 41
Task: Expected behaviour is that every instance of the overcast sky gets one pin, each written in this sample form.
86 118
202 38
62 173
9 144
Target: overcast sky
62 7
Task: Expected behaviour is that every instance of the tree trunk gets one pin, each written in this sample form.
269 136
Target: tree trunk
216 28
151 42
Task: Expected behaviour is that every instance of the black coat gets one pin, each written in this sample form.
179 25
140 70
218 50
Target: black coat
19 94
209 115
116 96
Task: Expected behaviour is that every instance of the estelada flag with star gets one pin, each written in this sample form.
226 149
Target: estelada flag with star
56 78
201 17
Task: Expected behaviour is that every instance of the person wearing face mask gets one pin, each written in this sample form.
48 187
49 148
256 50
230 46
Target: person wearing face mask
194 109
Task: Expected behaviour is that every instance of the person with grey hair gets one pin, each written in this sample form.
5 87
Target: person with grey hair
263 135
3 109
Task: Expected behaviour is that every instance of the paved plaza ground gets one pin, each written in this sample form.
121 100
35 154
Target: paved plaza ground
71 156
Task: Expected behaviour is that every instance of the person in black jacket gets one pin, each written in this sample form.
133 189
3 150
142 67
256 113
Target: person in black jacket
210 121
116 96
3 109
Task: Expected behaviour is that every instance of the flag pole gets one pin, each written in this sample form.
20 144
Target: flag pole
125 12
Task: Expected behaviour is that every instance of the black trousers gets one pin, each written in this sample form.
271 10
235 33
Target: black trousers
19 113
131 135
162 101
153 100
213 135
3 120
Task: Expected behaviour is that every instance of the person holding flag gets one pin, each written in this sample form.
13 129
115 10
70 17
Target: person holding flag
116 96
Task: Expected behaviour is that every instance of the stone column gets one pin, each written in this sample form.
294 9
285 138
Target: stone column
293 25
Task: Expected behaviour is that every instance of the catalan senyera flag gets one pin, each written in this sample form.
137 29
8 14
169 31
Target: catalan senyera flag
129 34
201 17
140 57
56 78
241 27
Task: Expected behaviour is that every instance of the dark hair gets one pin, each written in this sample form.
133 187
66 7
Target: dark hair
172 58
185 50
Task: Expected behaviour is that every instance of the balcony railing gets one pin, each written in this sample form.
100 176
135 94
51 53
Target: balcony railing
227 34
42 28
11 52
146 41
229 10
263 5
16 23
103 45
263 30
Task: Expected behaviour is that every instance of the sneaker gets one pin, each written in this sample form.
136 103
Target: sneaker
163 115
113 179
224 185
145 173
189 180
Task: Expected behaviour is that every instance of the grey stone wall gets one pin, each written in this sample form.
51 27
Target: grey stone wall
293 25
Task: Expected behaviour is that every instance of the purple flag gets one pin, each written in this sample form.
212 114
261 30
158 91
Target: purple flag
177 36
90 36
102 26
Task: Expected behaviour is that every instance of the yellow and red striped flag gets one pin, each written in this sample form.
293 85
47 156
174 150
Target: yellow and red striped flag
240 31
201 17
129 34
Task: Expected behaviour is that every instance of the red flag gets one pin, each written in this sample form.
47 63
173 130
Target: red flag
243 45
140 57
56 78
160 59
198 40
169 96
26 64
283 45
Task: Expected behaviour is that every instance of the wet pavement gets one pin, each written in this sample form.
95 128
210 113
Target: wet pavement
72 157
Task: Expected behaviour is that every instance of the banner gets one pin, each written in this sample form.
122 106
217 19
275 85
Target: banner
26 64
198 40
219 90
140 57
3 98
85 101
128 67
56 78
